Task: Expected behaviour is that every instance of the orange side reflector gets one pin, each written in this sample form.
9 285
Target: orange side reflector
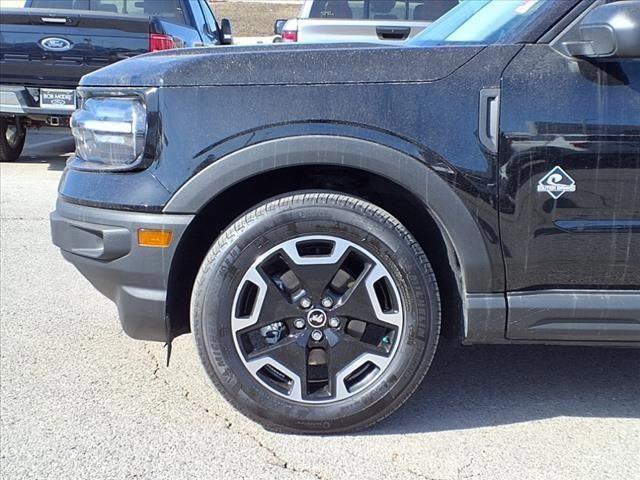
154 238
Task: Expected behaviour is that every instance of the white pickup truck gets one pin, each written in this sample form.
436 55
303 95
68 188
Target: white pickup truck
371 21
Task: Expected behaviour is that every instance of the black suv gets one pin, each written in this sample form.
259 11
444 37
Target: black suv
317 216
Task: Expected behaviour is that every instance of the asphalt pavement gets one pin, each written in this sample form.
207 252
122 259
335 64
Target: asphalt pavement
79 399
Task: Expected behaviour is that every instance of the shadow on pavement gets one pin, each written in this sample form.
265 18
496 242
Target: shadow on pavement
48 146
56 162
485 386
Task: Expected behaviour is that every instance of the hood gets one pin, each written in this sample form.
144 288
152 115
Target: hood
284 64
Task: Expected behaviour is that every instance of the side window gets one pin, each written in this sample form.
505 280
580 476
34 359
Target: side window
388 10
208 17
170 10
112 6
419 10
65 4
430 11
358 8
198 17
338 9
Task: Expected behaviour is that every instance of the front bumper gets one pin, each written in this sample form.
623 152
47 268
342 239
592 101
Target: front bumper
19 100
102 245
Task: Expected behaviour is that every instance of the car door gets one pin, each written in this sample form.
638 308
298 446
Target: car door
570 191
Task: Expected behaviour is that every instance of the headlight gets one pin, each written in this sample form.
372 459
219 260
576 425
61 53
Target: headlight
110 132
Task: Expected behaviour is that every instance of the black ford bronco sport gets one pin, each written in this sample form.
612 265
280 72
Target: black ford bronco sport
317 216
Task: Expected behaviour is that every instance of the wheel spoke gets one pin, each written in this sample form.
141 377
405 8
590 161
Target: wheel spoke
286 352
270 305
275 307
368 362
288 358
343 355
362 303
315 273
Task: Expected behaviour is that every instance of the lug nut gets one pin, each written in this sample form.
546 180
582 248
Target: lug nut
305 302
334 322
316 335
299 323
327 302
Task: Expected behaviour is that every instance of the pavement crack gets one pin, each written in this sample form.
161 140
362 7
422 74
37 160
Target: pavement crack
278 461
466 466
420 475
156 366
413 473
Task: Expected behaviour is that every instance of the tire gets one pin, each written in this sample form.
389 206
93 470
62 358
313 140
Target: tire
363 369
10 148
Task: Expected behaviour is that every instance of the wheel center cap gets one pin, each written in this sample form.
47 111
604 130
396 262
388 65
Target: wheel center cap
317 318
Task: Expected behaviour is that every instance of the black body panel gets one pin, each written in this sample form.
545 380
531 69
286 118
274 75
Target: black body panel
285 65
479 269
469 132
423 131
584 118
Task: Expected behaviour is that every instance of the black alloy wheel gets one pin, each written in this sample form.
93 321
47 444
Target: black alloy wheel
316 313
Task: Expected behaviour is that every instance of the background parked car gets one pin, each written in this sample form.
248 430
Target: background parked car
378 21
47 47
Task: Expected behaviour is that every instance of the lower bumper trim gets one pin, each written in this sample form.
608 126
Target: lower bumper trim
101 244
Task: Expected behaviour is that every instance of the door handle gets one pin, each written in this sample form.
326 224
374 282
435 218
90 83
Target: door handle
393 33
489 118
54 20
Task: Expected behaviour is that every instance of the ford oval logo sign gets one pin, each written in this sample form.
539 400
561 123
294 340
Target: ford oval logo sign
55 44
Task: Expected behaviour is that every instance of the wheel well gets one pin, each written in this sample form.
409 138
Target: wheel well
221 211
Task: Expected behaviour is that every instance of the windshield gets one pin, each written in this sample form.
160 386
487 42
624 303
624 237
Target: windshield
481 22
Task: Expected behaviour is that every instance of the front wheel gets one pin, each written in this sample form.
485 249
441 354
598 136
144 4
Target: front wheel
12 139
316 313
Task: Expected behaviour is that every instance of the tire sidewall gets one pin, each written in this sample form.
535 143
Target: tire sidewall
221 276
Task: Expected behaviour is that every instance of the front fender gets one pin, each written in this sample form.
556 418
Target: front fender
481 274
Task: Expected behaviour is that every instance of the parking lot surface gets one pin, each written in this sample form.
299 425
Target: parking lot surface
81 400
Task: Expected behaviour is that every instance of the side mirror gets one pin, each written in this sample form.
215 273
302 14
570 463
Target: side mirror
609 31
225 30
279 26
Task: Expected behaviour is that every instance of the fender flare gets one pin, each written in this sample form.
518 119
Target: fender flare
459 228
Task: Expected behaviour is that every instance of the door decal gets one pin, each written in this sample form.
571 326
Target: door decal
556 183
